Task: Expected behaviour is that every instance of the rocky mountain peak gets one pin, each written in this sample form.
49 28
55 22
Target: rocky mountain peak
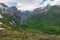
3 5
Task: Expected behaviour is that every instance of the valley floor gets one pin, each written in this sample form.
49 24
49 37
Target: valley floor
16 35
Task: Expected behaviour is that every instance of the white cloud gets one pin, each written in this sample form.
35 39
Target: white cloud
25 4
56 2
31 4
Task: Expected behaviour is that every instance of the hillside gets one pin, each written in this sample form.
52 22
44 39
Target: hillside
9 18
40 24
45 22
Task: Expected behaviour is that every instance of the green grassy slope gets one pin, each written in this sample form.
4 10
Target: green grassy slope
47 22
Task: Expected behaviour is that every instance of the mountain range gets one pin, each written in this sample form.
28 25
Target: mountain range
40 20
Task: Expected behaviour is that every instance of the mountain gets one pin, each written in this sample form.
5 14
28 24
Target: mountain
45 22
40 20
22 15
9 17
41 9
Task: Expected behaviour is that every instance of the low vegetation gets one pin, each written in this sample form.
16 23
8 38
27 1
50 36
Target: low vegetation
17 35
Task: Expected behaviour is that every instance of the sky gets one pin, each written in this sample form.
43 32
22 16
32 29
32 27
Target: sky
30 5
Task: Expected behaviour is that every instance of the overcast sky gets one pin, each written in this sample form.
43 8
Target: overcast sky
29 4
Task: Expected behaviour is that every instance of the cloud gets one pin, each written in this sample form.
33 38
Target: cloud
30 4
24 4
52 2
56 2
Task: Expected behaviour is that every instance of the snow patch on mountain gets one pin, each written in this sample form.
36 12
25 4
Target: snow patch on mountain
1 16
